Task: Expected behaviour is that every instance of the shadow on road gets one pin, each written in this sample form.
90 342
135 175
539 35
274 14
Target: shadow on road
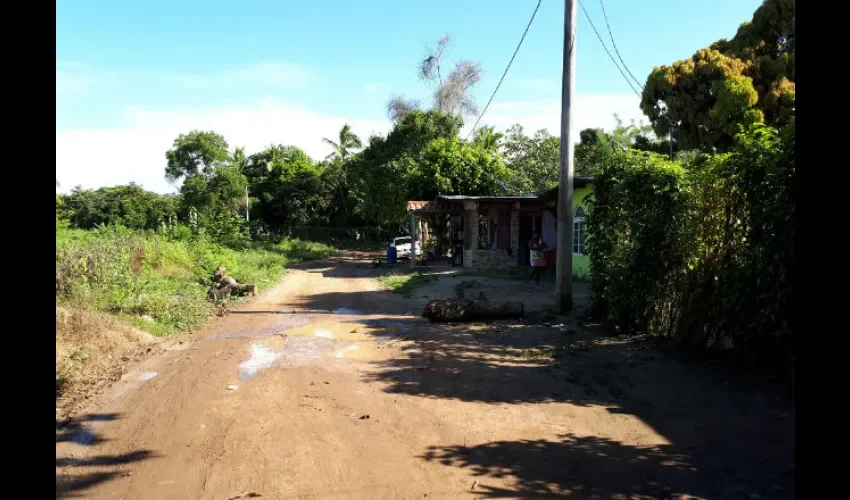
76 475
586 467
729 435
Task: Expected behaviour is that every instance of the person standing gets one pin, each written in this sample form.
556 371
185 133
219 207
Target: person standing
536 246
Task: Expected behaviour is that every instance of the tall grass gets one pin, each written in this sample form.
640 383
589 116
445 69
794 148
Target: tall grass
157 282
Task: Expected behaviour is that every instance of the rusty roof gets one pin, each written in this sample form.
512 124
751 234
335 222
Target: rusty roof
434 206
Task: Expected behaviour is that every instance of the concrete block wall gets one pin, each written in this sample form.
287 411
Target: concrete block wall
491 260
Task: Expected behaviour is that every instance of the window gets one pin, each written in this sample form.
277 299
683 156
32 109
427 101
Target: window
579 232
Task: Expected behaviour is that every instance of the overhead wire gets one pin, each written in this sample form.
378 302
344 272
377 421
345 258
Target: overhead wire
506 69
599 37
614 44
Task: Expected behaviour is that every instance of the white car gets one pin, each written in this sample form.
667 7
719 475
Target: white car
402 247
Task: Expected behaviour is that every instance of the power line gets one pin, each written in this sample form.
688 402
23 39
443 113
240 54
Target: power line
629 82
664 112
605 15
506 69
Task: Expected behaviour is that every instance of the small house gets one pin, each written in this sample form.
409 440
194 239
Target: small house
492 232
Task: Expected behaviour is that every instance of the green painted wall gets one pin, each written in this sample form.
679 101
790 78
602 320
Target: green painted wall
581 263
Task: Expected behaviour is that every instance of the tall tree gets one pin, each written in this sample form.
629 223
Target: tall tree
287 183
380 172
488 138
451 166
196 152
347 143
452 92
733 83
532 161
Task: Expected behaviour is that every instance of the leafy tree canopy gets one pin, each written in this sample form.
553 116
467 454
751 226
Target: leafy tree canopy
196 152
532 161
451 166
733 83
347 144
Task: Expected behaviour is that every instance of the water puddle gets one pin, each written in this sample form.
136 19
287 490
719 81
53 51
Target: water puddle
362 340
261 357
345 310
324 334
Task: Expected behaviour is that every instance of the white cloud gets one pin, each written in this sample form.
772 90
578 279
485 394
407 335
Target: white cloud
107 157
76 77
590 110
368 87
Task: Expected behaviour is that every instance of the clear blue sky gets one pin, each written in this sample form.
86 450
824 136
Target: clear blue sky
126 68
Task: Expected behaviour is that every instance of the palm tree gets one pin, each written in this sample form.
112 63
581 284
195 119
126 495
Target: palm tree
348 142
488 138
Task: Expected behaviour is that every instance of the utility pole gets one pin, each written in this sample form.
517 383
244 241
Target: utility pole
247 209
564 265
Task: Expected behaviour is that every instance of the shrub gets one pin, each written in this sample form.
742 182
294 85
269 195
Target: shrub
639 237
703 255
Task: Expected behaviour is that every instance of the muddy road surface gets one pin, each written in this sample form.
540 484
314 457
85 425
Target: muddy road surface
327 387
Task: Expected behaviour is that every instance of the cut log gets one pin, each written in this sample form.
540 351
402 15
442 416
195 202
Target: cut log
459 310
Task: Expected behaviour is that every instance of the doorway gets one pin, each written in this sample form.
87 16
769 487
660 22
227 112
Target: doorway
529 222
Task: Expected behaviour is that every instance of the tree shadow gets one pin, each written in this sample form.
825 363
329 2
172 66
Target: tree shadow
76 475
591 467
725 429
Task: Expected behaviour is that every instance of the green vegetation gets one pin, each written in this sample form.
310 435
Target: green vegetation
699 248
404 284
739 82
156 281
702 254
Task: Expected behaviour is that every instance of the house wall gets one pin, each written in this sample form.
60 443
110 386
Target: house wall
581 263
473 257
550 229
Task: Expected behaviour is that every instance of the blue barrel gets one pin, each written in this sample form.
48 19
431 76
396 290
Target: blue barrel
392 255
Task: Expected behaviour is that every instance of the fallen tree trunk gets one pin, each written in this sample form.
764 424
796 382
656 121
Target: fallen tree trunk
459 310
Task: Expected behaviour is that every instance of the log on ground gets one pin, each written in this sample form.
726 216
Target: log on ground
460 310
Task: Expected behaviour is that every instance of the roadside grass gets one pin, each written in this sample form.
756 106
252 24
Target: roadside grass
404 284
542 354
117 290
159 284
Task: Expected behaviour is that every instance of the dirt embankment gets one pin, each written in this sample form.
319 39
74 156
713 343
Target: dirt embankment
93 351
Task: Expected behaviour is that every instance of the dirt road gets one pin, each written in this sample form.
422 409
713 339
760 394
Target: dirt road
327 387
